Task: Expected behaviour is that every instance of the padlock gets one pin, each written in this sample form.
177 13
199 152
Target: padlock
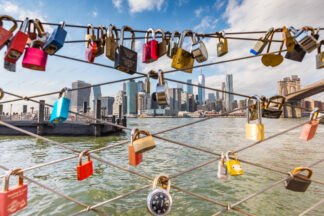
288 39
147 84
272 59
14 198
305 39
9 66
125 58
5 35
17 43
35 58
159 200
91 51
222 47
299 182
56 40
261 43
162 47
142 144
273 111
254 131
153 74
309 129
89 36
32 34
297 54
198 50
182 58
320 57
233 166
84 170
162 92
100 41
150 48
61 108
222 169
173 46
111 42
134 159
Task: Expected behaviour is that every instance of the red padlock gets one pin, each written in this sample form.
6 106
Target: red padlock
5 35
84 170
91 51
134 159
13 199
309 129
17 44
150 48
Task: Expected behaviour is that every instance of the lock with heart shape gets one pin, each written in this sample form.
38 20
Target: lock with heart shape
271 59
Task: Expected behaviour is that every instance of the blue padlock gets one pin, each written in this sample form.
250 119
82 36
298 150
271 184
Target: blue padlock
61 108
56 40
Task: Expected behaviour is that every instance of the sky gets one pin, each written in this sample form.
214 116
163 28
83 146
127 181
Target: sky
204 16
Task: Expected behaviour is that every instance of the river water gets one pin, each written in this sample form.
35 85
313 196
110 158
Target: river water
284 153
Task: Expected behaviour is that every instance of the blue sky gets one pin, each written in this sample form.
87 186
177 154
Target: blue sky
208 16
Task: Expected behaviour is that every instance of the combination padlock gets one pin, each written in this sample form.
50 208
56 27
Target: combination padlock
150 48
5 34
254 131
56 40
61 108
159 200
84 170
261 43
222 169
134 158
162 92
320 57
309 129
162 47
173 46
273 107
305 39
299 182
233 166
198 50
222 47
111 42
14 198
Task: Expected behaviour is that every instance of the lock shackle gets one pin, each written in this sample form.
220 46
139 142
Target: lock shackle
272 100
100 30
137 134
6 179
160 31
232 153
222 159
314 114
186 33
167 36
271 37
222 34
153 74
24 25
134 131
127 28
299 169
161 80
112 29
308 28
9 18
258 104
319 47
31 21
62 24
1 93
85 152
63 91
88 30
162 179
40 28
268 33
148 33
176 34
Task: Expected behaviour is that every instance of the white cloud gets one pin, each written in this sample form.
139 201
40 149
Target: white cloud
198 11
142 5
118 4
94 13
219 4
205 24
181 2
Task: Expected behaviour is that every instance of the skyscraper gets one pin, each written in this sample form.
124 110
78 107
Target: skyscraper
223 94
201 91
95 94
107 104
229 87
131 92
79 96
175 100
120 102
217 95
189 87
140 86
211 97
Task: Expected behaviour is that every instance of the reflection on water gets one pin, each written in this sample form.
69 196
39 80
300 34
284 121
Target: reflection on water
284 153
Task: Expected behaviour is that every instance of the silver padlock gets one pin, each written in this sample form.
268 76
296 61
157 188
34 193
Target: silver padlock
198 50
9 66
173 46
305 39
320 57
159 200
261 43
162 92
222 169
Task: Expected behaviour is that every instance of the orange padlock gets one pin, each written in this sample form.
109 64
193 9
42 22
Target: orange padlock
134 159
309 129
84 170
13 199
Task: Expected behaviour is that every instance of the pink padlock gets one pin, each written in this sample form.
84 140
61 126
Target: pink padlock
35 58
150 48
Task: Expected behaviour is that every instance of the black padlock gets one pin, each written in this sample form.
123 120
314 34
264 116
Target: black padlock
299 182
273 111
125 58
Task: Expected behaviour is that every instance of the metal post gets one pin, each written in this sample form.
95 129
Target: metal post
41 115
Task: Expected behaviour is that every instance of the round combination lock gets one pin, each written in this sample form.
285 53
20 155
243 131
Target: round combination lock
159 201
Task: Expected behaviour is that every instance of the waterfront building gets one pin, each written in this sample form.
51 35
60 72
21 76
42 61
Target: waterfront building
107 104
288 85
211 105
175 100
229 87
180 86
184 101
78 97
223 89
189 87
211 97
95 94
233 105
124 87
131 92
120 104
191 102
141 102
140 86
217 95
242 104
219 105
201 91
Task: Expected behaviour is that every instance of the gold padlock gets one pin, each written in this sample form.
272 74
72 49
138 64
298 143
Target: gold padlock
111 42
163 44
254 131
222 47
233 166
289 40
101 41
147 84
89 36
183 59
272 60
142 144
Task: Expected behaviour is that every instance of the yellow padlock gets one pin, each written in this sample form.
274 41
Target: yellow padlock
233 166
254 131
183 58
142 144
